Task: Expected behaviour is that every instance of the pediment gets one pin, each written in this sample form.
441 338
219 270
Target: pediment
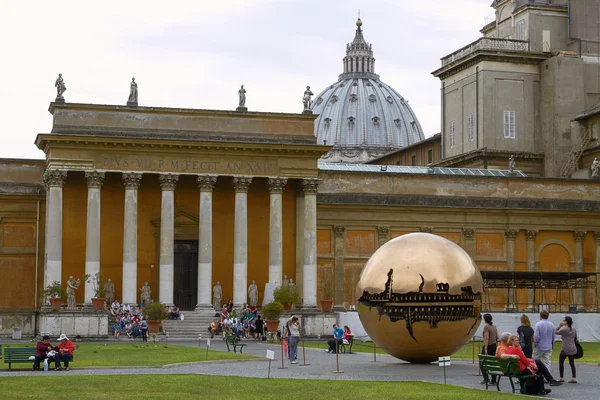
182 217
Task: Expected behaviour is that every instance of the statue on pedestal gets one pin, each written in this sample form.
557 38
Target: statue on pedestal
72 285
253 294
60 88
307 100
133 93
285 281
242 95
595 172
511 165
146 294
109 291
217 296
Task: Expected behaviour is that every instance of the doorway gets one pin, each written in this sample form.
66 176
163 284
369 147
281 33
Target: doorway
185 287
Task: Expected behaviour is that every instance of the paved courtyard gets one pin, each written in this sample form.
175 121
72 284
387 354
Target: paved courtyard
356 366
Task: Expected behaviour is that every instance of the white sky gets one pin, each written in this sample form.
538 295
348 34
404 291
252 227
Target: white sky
196 53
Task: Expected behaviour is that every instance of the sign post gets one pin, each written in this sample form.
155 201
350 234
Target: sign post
271 357
207 346
444 362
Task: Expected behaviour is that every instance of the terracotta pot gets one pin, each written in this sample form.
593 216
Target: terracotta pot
272 325
153 326
326 305
98 303
287 307
56 303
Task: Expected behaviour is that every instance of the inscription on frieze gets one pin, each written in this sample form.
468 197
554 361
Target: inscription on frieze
190 165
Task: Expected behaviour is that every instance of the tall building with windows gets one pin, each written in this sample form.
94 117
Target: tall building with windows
526 87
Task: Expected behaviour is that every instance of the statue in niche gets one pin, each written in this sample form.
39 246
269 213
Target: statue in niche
307 100
285 281
109 291
242 95
595 171
72 285
133 93
217 296
146 294
60 87
291 283
253 294
511 165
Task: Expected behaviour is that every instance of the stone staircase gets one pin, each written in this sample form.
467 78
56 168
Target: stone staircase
195 322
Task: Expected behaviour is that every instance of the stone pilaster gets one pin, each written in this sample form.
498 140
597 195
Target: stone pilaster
92 231
206 184
168 182
54 181
530 235
240 240
383 235
469 241
339 249
310 188
597 242
131 181
511 236
276 187
579 236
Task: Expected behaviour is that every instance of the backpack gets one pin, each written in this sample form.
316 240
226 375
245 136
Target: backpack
534 386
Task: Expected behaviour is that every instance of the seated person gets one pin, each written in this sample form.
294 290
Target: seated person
213 328
174 314
258 328
65 352
41 352
348 335
503 345
127 308
129 330
115 307
338 333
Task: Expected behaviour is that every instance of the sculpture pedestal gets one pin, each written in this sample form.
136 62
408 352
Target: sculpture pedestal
241 109
59 99
132 104
307 112
269 289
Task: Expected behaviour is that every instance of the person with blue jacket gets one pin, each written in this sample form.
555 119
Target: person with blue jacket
334 343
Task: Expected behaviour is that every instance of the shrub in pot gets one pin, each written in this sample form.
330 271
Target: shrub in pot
328 291
271 312
55 294
287 295
154 313
96 280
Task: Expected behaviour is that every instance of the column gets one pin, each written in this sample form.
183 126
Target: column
167 237
276 186
206 184
131 180
383 235
530 236
597 241
309 289
92 231
339 250
469 241
510 235
54 180
240 240
579 236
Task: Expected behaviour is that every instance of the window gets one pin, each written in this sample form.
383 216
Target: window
451 133
520 30
594 132
413 160
470 128
509 125
429 156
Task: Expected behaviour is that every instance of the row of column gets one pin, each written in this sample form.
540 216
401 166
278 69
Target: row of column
359 64
55 179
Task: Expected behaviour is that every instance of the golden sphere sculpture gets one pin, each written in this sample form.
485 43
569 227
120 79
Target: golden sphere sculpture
419 297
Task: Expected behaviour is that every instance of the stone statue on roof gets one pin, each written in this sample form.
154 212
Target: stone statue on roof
307 100
133 93
511 164
242 96
59 84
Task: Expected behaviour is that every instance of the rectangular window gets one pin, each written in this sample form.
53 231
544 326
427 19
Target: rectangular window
509 125
595 131
429 156
471 128
413 160
451 133
520 30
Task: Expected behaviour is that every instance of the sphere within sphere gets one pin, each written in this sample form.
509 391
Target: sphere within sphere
420 297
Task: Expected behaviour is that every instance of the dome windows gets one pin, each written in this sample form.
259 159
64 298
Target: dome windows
353 97
372 98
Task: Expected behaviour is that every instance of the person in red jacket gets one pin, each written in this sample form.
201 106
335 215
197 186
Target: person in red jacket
41 352
65 352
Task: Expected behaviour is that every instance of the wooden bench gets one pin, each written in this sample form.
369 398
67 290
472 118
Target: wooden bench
13 355
234 342
343 345
498 367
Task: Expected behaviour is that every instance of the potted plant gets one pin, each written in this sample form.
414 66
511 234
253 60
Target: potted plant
286 295
55 294
328 290
271 312
98 301
154 313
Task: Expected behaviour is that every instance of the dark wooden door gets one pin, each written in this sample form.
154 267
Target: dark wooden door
185 287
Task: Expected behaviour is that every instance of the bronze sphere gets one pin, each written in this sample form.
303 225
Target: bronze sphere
419 297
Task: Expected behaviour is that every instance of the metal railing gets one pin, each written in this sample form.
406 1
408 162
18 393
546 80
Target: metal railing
490 44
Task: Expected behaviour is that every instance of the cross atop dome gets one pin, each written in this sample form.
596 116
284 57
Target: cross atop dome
359 60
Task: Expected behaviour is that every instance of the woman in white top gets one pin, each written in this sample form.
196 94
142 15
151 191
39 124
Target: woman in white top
294 328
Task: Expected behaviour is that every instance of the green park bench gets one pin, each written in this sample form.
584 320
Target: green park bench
234 342
343 345
13 355
496 366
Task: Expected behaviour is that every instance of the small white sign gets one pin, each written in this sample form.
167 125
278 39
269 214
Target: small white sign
270 354
444 361
207 342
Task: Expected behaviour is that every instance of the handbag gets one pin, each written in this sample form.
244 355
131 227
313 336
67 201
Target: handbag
579 353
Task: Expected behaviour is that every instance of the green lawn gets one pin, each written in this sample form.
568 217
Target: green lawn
221 387
591 350
140 354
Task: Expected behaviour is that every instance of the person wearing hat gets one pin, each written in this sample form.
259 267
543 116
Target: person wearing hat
41 352
65 352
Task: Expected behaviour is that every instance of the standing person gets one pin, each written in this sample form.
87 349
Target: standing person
294 338
525 332
144 328
543 337
565 329
258 328
65 352
41 352
490 338
334 343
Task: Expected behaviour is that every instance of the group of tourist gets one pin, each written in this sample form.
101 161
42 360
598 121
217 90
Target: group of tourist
129 322
246 324
47 353
534 360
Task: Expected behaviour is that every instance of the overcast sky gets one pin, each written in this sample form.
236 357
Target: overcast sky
196 53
